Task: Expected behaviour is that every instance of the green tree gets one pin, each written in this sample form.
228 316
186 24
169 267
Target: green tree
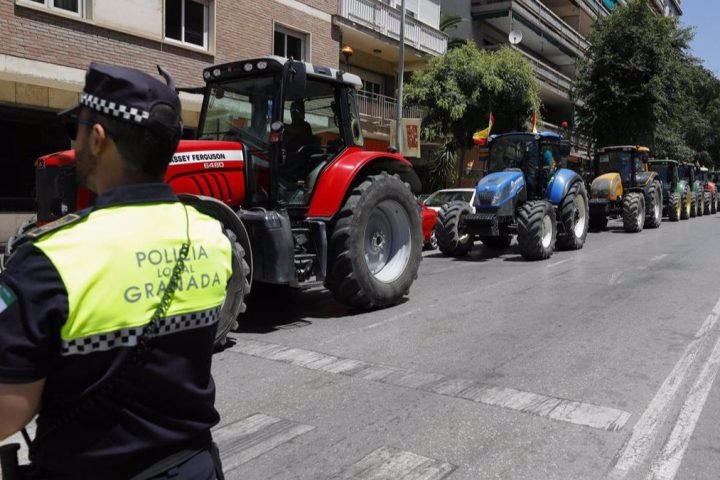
458 90
631 86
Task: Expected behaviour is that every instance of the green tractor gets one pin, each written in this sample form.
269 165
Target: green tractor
676 191
697 192
624 187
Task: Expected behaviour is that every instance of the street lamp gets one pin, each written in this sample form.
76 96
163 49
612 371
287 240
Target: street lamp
347 52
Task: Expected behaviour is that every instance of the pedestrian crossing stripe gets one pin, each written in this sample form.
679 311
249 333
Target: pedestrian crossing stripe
7 297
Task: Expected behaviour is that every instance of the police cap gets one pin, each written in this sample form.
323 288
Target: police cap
128 95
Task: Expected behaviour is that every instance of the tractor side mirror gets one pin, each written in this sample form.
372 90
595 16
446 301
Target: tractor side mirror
294 80
565 147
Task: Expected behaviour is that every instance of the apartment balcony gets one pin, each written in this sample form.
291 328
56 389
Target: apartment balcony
379 21
543 31
377 111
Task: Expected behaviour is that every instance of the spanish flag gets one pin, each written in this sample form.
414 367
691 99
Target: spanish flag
481 136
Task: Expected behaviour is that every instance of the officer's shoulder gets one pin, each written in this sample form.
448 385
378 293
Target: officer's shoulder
62 222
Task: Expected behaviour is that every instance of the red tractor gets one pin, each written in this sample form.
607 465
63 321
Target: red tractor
299 197
710 196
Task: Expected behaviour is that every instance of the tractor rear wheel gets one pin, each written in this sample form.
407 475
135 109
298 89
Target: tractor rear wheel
707 199
674 207
699 206
574 215
713 203
686 206
654 206
633 212
375 247
693 206
452 239
598 222
537 229
496 243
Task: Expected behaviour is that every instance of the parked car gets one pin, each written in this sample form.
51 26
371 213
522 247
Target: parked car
429 219
441 197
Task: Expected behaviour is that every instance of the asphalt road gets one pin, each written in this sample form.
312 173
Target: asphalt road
594 364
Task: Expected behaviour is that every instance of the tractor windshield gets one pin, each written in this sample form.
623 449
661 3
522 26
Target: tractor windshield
241 110
702 175
513 151
684 172
663 172
619 162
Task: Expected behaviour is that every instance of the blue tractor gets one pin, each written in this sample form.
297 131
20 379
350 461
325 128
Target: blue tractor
527 192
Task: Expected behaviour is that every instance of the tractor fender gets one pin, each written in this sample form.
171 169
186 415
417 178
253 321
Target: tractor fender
607 187
500 191
349 168
643 179
560 184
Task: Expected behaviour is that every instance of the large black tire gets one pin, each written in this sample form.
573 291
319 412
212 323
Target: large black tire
707 200
699 206
654 201
693 205
496 243
377 227
686 205
575 218
713 203
537 229
633 212
452 239
674 207
598 222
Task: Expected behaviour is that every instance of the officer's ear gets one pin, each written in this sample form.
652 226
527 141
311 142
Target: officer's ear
99 139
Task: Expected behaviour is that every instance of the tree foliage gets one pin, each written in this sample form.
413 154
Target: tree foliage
633 86
458 90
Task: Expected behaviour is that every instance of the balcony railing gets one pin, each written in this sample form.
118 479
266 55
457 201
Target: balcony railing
384 19
581 144
534 11
377 111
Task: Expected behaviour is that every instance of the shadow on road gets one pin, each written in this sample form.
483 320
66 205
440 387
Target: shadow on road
272 307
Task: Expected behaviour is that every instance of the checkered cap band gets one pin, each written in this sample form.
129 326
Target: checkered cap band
113 108
129 337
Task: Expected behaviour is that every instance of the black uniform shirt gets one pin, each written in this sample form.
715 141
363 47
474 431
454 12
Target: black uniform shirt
156 409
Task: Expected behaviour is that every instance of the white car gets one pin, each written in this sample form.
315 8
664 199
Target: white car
441 197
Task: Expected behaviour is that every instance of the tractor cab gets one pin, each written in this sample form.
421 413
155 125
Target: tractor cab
630 162
537 155
687 173
292 118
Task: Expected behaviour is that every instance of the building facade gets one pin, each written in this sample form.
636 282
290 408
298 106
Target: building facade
48 44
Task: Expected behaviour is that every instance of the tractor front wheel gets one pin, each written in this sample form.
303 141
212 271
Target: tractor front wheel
686 206
707 199
452 239
693 206
699 205
654 206
713 203
574 215
537 230
674 207
633 212
375 247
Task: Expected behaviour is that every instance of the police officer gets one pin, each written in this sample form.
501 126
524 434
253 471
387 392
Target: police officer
113 398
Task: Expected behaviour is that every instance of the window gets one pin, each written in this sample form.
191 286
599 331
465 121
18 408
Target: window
187 21
373 88
288 43
72 6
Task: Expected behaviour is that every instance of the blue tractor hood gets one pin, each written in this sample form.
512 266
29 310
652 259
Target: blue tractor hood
499 190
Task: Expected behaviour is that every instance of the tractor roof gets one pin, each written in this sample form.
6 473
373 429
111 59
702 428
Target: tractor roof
624 148
539 135
275 63
663 161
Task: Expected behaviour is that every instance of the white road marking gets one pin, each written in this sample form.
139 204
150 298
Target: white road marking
638 447
243 440
387 463
667 463
554 408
